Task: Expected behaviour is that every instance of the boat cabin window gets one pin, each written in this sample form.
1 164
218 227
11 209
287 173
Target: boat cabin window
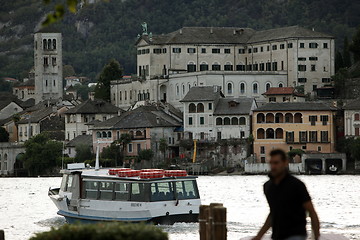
91 189
69 183
122 191
63 186
106 190
138 192
162 191
186 190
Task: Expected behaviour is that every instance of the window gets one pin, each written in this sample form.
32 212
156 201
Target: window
249 50
202 120
326 80
255 88
164 50
303 136
241 51
262 150
130 147
210 106
357 117
274 47
324 136
357 131
46 61
324 119
301 58
268 66
267 86
240 67
228 67
274 66
191 67
290 45
122 191
313 120
204 67
313 136
176 50
261 49
313 67
183 89
157 50
272 99
219 121
262 66
162 191
190 121
53 61
282 65
203 50
192 108
191 50
147 51
302 80
177 90
302 68
216 50
91 189
218 135
313 58
242 88
227 51
268 48
255 67
216 67
242 121
137 192
255 50
302 45
282 46
186 190
325 45
289 137
281 85
106 190
313 45
229 88
200 108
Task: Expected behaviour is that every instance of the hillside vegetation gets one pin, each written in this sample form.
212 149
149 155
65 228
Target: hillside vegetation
108 29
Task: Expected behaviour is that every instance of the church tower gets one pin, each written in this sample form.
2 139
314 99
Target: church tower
48 66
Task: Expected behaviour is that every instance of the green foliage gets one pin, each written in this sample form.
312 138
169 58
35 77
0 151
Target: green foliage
4 135
339 82
145 154
339 62
355 45
112 153
83 153
292 153
59 11
5 86
103 231
346 53
68 71
83 91
41 154
300 89
111 71
163 145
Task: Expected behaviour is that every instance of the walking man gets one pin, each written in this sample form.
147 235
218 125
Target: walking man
289 201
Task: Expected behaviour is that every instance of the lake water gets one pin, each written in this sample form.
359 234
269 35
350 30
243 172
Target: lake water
26 209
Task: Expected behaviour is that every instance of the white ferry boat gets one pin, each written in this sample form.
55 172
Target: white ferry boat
148 195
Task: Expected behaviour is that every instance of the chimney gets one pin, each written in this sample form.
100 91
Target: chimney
215 88
157 120
180 31
234 32
211 30
313 29
119 112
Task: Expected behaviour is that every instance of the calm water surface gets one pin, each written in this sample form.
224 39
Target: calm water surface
26 209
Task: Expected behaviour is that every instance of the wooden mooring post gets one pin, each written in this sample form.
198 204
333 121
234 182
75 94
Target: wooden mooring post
212 222
2 235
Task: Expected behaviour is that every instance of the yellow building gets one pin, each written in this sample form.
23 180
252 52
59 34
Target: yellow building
293 125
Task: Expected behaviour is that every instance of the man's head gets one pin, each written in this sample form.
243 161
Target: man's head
278 162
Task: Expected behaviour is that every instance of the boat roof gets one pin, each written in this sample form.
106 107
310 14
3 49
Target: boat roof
102 173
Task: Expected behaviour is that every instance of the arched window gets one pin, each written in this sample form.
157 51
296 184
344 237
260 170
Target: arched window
229 88
120 96
289 118
298 118
44 44
109 134
270 118
177 90
270 133
131 133
279 118
49 44
242 121
242 88
98 134
267 86
260 133
234 121
138 133
228 66
183 89
192 108
104 135
281 85
191 67
219 121
279 133
226 121
54 44
204 66
260 118
189 86
200 108
357 117
255 88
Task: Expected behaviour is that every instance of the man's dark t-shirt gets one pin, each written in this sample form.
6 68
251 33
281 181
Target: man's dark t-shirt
286 199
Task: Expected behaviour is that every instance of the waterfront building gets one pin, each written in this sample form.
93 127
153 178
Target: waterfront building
79 118
244 62
352 118
283 94
48 66
81 140
308 126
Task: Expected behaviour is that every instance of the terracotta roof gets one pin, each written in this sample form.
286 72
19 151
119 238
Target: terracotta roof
282 91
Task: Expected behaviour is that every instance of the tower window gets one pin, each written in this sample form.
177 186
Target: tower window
44 44
54 82
46 83
49 44
54 44
53 61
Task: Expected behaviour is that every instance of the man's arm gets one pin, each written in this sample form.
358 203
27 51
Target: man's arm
315 224
264 228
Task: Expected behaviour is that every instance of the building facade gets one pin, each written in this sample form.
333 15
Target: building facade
308 126
352 118
48 66
283 94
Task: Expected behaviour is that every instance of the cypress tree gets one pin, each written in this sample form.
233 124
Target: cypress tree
346 53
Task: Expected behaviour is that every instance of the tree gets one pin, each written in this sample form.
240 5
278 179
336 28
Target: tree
68 71
41 154
5 86
346 53
4 135
111 71
145 154
113 153
163 146
339 62
355 45
124 140
83 153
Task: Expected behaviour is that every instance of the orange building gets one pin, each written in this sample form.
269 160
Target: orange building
293 125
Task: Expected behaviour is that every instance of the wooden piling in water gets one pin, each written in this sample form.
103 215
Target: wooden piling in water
2 235
219 223
203 219
212 222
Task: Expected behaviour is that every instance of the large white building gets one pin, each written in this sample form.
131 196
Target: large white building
244 62
48 66
352 118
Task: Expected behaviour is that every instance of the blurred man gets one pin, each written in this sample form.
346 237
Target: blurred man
289 201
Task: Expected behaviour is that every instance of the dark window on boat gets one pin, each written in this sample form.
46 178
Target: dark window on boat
91 189
186 190
138 192
106 190
122 191
162 191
